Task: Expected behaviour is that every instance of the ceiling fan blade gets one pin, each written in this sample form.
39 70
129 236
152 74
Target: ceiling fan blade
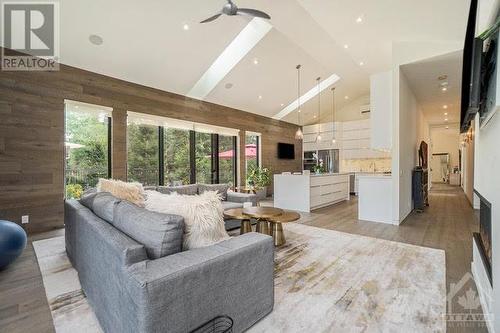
253 12
210 19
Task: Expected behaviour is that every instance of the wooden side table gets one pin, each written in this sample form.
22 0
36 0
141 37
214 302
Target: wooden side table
237 214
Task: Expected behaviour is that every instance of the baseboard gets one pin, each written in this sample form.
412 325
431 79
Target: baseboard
483 285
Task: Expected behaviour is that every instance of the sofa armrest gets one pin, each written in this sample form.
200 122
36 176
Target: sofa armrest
184 290
242 197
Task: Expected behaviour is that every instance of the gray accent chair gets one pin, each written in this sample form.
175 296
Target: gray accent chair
130 291
229 199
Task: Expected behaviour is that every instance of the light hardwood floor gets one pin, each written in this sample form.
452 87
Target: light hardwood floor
447 224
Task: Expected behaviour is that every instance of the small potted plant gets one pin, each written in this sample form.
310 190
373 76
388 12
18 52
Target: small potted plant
259 179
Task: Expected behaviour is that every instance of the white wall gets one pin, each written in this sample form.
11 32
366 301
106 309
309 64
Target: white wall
408 144
487 183
446 141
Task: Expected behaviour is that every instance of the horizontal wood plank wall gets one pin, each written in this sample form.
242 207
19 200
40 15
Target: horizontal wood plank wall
32 134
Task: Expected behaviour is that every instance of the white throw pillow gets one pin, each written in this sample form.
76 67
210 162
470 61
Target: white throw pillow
203 215
132 192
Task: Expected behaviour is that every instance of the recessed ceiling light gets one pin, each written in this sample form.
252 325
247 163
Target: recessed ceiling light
185 26
346 46
346 97
447 127
282 104
361 63
446 113
256 61
96 39
445 106
359 19
300 110
444 89
445 119
314 116
260 96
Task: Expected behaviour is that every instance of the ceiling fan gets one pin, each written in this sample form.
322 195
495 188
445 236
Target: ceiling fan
231 9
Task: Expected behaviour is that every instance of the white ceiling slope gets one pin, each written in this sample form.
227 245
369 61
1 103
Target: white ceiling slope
145 43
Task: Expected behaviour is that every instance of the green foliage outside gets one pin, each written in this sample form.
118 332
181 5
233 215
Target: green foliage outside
86 164
177 168
142 154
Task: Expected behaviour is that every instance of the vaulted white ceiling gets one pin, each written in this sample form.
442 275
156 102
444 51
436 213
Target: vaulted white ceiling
145 42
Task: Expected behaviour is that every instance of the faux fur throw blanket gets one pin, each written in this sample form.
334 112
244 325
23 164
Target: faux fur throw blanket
203 215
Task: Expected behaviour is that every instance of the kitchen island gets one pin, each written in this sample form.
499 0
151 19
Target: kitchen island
375 198
308 192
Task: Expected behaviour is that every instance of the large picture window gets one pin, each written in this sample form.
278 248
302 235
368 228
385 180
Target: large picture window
176 161
164 151
87 146
143 154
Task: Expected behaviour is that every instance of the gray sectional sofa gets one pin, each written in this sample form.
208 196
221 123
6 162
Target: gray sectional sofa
229 199
137 279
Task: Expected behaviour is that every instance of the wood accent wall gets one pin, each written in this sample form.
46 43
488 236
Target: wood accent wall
32 134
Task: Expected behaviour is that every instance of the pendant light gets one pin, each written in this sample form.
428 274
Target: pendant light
299 135
318 138
333 116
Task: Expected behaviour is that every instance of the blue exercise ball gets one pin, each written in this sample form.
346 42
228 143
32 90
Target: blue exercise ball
12 242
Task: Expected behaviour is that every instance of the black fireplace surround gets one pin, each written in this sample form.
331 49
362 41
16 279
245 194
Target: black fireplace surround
483 238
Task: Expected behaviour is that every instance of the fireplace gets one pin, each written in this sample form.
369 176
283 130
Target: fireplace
483 238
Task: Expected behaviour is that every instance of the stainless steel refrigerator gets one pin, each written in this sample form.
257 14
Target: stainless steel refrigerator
330 159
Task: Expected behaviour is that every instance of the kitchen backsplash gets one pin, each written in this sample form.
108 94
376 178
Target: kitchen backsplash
366 165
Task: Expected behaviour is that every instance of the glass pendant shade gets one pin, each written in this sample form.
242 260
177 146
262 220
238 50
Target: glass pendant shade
299 135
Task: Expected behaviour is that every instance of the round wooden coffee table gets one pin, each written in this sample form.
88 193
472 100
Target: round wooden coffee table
277 226
237 214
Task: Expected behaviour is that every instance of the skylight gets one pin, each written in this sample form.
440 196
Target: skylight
246 40
307 96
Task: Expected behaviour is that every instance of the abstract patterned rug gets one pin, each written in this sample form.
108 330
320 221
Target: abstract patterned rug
325 281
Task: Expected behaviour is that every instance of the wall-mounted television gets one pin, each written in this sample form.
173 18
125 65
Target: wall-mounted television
286 151
471 71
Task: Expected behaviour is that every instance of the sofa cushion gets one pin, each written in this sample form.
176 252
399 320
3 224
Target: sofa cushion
230 205
133 192
161 234
191 189
102 204
219 188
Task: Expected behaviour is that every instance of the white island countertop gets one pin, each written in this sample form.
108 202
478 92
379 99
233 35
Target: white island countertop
307 192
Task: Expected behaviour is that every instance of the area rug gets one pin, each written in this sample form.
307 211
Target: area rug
325 281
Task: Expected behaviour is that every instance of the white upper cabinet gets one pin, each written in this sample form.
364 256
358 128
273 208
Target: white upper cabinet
381 110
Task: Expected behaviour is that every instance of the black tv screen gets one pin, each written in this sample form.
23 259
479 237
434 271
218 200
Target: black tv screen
286 151
471 71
